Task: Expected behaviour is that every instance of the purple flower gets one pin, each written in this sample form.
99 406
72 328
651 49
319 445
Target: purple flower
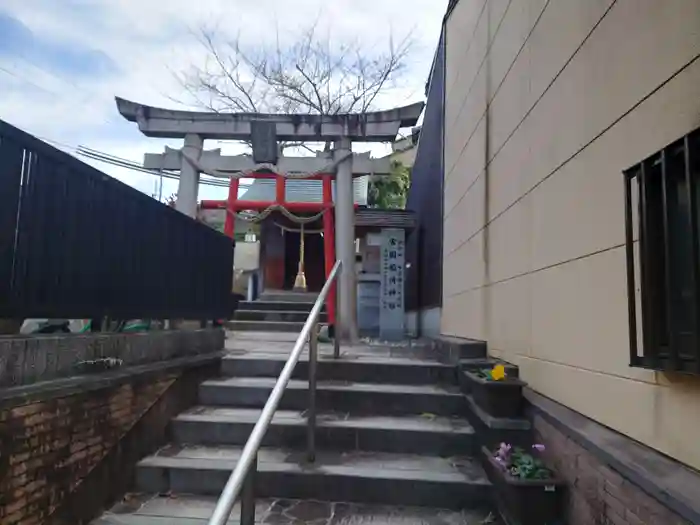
538 447
504 450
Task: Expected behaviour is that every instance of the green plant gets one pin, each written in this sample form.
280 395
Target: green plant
484 373
518 463
390 192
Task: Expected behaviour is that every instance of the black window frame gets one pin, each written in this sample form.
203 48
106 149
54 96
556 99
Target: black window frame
667 185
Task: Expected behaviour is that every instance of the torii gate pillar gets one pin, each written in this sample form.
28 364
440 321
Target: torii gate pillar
346 329
189 176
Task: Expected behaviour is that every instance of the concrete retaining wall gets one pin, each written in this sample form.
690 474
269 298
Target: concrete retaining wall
30 359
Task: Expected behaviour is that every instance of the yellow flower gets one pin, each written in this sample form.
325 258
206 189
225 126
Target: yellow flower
498 372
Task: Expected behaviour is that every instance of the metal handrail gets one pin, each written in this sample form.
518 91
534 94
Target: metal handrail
242 478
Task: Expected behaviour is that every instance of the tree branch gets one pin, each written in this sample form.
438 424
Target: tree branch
310 75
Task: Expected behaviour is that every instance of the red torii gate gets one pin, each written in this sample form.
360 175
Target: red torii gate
232 205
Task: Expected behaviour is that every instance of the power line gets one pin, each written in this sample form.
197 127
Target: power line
4 70
90 152
128 164
121 162
27 81
88 100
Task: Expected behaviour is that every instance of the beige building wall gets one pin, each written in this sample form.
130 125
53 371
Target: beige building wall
534 259
406 157
404 151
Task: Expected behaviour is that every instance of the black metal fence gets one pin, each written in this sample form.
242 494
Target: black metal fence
76 243
666 220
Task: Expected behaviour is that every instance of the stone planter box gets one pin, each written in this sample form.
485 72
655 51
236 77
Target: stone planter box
464 383
525 501
502 399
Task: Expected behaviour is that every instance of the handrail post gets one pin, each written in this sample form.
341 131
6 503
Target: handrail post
336 328
241 482
311 416
248 495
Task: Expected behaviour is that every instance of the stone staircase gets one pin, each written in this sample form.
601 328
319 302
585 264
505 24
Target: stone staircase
395 438
279 311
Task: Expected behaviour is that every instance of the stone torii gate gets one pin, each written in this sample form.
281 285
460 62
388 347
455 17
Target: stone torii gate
265 131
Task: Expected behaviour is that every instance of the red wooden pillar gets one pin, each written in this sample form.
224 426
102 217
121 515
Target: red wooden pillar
280 190
230 222
329 243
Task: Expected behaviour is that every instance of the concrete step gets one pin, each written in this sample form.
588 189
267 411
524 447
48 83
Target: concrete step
264 326
275 315
286 306
183 509
355 398
438 436
452 349
359 368
289 297
356 477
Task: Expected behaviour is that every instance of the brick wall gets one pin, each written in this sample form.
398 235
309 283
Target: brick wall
597 494
48 447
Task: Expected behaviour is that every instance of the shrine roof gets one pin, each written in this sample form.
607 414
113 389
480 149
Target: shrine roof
372 219
374 126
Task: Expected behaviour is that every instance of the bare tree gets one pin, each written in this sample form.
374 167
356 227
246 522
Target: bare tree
308 75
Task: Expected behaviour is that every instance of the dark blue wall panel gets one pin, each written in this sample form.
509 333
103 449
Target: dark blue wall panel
425 198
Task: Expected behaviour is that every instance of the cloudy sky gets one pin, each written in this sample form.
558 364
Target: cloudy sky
63 61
